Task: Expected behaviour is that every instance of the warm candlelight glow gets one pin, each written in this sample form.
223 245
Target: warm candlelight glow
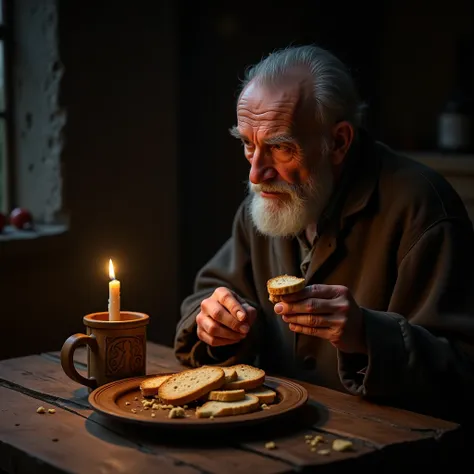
114 294
111 270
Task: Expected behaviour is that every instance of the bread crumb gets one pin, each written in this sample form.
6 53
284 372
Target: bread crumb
264 406
341 445
52 411
153 415
176 412
41 410
270 445
185 407
211 417
133 410
127 403
136 398
324 452
146 408
307 437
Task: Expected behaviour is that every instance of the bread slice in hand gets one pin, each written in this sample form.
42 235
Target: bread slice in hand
264 394
227 395
149 387
248 377
275 299
285 285
247 405
189 385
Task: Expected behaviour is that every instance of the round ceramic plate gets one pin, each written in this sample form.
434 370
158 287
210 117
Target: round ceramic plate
122 400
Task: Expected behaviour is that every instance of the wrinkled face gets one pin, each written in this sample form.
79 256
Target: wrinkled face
290 177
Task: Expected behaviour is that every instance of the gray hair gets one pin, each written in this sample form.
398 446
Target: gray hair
333 87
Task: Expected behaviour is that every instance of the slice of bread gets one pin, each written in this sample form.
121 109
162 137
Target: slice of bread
285 284
264 394
248 377
149 387
189 385
247 405
227 395
230 373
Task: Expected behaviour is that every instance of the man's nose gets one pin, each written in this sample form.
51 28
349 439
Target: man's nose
261 168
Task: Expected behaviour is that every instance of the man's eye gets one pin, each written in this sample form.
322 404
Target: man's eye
280 147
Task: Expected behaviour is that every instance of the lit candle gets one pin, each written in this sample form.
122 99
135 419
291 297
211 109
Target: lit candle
114 295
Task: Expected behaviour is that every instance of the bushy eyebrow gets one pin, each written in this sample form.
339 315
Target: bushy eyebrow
275 140
279 139
234 131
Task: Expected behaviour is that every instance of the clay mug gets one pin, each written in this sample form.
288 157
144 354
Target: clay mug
115 349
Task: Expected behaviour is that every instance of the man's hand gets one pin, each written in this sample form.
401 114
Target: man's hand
326 311
224 319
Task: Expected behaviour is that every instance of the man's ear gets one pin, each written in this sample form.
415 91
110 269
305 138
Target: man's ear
342 135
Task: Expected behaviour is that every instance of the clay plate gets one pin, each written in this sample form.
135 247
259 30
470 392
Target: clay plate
110 400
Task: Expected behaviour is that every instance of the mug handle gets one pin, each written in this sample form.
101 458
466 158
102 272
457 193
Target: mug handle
67 357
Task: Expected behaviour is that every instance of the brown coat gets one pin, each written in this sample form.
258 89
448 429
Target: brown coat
398 236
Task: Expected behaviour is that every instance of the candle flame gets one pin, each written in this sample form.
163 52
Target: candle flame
111 270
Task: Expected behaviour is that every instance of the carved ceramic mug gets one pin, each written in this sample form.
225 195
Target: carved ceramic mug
115 349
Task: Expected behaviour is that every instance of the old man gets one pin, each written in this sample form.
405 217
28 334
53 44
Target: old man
384 243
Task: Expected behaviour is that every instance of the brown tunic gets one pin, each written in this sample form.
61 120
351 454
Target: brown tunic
399 237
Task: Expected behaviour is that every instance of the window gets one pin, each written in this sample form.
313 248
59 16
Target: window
31 119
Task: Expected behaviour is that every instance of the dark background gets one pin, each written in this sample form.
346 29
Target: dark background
152 177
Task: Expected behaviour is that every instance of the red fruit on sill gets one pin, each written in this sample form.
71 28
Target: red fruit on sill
21 218
3 221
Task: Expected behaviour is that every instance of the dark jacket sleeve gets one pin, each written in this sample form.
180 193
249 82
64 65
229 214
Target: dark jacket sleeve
230 268
421 352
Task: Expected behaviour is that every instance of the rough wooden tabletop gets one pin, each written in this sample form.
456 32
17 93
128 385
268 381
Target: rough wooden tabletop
75 439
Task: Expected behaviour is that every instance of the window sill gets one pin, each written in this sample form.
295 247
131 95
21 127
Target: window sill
27 243
10 233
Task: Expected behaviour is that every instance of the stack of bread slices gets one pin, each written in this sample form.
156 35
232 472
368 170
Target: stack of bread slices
216 391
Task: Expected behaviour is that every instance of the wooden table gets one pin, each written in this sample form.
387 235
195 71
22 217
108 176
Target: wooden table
76 439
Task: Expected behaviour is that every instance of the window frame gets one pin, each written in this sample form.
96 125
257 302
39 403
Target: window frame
6 35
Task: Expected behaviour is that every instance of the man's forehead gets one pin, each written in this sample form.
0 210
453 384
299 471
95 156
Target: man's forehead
282 100
260 96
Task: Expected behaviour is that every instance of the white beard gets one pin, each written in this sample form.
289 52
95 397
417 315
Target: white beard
301 205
